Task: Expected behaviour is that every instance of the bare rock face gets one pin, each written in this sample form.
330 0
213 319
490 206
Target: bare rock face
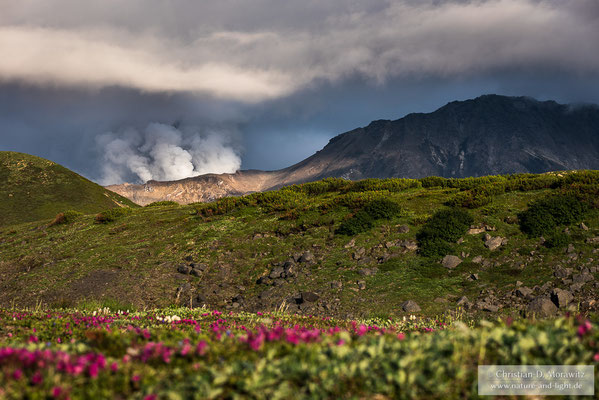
450 262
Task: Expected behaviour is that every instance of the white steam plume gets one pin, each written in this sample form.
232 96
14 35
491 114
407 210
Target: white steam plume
163 153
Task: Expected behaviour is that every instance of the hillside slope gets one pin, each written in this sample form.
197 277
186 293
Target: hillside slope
33 188
488 135
310 248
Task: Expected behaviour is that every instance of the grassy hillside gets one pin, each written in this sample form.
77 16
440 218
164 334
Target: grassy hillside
335 247
33 188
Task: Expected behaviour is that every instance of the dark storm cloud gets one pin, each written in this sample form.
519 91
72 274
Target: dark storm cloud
287 75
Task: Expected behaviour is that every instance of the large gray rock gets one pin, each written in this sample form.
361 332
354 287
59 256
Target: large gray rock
493 243
450 262
463 301
306 257
523 291
184 269
561 298
309 297
276 272
403 229
541 307
410 306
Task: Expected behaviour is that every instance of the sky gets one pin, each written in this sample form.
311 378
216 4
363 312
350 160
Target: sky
133 90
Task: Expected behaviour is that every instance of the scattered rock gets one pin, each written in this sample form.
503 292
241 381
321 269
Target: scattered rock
306 257
463 301
561 298
562 272
409 245
493 243
523 291
485 306
473 277
477 259
542 307
583 226
189 258
351 243
361 285
582 278
476 230
309 297
576 287
359 253
403 229
440 300
451 262
594 240
570 249
195 272
184 269
336 285
368 271
410 306
519 283
276 272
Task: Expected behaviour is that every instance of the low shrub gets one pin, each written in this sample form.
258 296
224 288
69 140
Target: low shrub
543 216
112 215
364 219
162 203
558 240
66 217
221 206
383 209
444 227
360 222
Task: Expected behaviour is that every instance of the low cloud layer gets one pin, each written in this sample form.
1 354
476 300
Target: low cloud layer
285 76
162 152
229 52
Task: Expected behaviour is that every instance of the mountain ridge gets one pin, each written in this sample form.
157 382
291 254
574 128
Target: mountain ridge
488 135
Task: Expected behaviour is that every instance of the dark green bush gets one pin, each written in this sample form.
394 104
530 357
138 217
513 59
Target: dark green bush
558 240
360 222
383 209
112 215
162 203
543 216
434 247
443 228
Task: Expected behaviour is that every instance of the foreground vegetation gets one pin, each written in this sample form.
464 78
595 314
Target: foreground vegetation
183 353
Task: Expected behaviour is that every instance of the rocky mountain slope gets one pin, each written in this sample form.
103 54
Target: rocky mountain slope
488 135
32 188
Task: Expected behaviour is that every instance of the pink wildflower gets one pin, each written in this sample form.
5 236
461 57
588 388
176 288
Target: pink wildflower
37 378
18 374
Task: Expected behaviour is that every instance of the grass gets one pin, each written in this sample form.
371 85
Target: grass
33 188
134 256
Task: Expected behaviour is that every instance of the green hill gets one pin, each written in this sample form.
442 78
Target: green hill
331 247
33 188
